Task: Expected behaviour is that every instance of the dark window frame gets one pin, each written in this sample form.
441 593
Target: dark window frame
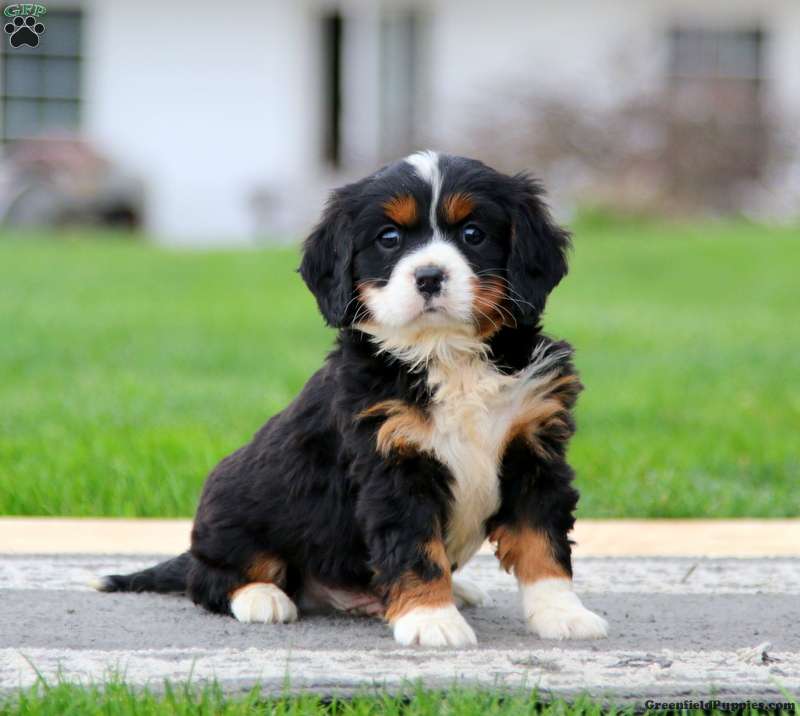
41 55
715 39
332 31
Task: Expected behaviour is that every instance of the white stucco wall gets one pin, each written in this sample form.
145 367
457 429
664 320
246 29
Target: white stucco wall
211 102
592 50
208 102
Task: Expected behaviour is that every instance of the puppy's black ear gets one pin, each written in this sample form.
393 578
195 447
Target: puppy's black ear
538 260
325 266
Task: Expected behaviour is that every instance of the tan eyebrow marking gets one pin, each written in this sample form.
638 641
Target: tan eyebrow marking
402 209
457 207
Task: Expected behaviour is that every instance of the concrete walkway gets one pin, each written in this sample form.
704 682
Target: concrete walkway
681 626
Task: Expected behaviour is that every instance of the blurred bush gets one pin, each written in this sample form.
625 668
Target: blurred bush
58 181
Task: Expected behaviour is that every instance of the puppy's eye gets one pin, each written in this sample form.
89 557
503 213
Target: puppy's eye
389 239
472 235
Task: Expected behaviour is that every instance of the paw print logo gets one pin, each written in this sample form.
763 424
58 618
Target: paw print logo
24 31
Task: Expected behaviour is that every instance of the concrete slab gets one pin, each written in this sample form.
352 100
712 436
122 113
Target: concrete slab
680 628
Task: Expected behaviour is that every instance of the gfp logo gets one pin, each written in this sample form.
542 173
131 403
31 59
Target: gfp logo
25 27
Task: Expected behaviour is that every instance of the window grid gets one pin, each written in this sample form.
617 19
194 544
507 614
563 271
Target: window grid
51 99
715 53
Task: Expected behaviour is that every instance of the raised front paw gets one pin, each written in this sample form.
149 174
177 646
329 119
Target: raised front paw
554 611
261 602
434 626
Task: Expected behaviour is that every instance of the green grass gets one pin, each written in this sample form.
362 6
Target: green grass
127 371
116 698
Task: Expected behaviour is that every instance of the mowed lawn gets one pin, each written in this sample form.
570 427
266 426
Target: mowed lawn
116 698
127 371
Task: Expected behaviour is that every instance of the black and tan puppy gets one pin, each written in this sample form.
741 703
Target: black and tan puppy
440 418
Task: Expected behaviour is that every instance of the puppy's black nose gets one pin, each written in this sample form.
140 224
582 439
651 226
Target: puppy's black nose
429 280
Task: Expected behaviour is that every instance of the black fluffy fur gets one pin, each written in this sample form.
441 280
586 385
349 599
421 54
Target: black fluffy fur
311 487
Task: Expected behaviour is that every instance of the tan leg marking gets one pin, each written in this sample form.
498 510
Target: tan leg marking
267 568
551 608
527 553
412 592
261 598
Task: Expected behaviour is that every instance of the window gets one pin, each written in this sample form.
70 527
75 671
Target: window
370 83
696 52
717 73
41 86
718 134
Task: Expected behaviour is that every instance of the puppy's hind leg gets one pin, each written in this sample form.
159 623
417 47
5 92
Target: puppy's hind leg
262 602
256 595
262 599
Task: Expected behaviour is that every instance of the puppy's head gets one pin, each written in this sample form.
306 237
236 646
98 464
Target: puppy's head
435 240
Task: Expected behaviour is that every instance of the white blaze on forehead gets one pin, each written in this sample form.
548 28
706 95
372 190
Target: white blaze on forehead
426 165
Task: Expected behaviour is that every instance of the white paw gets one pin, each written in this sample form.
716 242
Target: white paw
434 626
554 611
468 594
259 602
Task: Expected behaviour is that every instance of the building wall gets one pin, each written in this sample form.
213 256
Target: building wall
211 104
595 51
208 103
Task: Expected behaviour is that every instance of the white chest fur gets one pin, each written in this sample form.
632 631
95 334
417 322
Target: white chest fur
470 415
473 411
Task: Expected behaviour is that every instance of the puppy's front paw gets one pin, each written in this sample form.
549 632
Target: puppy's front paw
554 611
261 602
468 594
572 622
434 626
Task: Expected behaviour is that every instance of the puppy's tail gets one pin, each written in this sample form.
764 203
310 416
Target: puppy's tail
169 576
